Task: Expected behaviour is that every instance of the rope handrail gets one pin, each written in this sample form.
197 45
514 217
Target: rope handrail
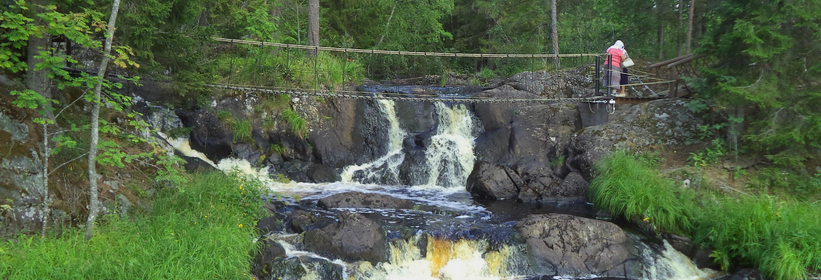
366 51
414 97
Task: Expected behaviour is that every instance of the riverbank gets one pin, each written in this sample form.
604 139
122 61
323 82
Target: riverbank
777 234
206 228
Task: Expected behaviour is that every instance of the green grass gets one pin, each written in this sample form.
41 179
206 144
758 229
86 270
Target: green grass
224 115
630 186
780 236
242 131
202 232
295 122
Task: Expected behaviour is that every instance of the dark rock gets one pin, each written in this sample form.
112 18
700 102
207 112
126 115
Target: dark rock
747 274
414 169
364 200
573 186
324 174
604 215
270 252
270 224
702 259
301 220
248 153
353 238
493 146
496 115
272 208
680 243
562 244
296 170
356 133
209 135
415 117
286 268
533 191
493 181
193 164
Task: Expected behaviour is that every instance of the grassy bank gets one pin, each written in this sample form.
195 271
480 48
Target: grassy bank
204 230
780 236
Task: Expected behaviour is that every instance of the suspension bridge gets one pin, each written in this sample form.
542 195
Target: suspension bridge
636 77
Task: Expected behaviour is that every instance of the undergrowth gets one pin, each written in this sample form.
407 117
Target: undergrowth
295 122
780 236
630 186
203 230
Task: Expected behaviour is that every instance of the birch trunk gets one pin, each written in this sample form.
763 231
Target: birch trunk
94 203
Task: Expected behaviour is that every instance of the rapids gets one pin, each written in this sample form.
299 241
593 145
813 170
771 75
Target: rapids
451 236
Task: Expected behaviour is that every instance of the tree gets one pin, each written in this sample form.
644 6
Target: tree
313 24
554 31
688 39
94 203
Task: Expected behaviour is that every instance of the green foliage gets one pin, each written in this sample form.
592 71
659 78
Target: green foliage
712 154
224 115
628 185
780 237
276 148
295 122
282 178
242 131
178 239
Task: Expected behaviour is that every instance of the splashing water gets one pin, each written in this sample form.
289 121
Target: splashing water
670 265
387 164
449 154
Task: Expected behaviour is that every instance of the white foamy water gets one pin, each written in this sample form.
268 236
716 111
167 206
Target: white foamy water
671 265
392 159
449 155
226 165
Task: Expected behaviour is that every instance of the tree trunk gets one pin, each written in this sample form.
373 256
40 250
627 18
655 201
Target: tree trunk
555 32
38 80
313 24
689 38
678 27
386 27
660 31
94 203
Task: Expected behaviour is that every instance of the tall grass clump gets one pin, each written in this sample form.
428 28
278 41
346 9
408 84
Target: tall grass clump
203 230
629 186
780 237
242 131
295 122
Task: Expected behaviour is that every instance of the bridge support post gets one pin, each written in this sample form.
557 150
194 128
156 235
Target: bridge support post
597 74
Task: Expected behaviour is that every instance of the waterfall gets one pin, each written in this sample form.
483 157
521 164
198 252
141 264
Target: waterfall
448 155
449 259
226 165
384 170
670 264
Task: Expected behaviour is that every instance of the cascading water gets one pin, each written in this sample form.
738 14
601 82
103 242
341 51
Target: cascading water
448 154
384 170
446 161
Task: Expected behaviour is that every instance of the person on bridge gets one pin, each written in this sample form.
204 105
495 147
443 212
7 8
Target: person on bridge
613 69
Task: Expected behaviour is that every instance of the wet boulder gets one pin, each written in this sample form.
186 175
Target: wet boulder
193 164
353 238
493 181
209 135
364 200
271 250
561 244
746 274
